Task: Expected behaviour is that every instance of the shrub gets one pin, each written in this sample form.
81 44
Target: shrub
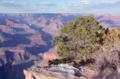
84 38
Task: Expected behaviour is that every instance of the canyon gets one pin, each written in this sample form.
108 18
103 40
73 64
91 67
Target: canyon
25 38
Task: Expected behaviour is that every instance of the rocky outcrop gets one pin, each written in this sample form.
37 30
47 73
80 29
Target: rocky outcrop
65 71
61 71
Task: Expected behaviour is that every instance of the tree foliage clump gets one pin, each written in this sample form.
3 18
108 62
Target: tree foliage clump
82 38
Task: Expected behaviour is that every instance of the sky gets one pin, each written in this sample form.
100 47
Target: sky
60 6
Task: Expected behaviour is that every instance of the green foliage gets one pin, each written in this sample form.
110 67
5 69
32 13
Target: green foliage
68 28
82 38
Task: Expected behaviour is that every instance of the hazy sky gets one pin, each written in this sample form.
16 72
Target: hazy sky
60 6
